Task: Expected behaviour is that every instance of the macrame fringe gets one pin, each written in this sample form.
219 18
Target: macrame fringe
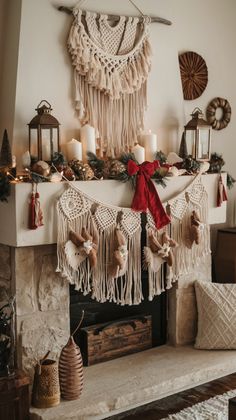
124 290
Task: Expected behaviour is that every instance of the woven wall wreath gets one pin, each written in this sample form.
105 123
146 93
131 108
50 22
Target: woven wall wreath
223 121
194 74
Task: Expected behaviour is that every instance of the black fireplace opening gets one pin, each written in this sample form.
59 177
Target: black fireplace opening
96 312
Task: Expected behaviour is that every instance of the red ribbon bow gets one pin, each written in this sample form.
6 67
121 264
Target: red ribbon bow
146 197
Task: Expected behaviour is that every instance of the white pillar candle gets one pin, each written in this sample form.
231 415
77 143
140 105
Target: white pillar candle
149 141
139 153
26 159
46 153
88 140
73 150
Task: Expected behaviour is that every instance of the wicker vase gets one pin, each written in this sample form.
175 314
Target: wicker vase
46 388
71 371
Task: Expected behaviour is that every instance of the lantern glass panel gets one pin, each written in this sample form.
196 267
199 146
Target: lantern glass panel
46 149
203 144
33 143
190 142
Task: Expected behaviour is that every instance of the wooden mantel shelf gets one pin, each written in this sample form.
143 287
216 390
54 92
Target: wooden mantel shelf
14 214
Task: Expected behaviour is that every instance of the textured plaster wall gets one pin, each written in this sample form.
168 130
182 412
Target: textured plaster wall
44 69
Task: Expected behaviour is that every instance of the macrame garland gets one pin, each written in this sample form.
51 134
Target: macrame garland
221 193
111 66
78 213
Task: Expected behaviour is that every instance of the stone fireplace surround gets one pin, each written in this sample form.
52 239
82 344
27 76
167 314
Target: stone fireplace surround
28 261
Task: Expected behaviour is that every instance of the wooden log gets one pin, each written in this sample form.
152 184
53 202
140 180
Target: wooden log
103 342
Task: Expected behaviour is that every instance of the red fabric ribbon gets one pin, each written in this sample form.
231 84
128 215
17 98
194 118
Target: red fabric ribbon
146 197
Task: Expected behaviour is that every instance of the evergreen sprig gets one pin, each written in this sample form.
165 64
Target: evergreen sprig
230 181
161 157
4 187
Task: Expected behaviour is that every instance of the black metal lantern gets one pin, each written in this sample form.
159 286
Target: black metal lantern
44 135
198 136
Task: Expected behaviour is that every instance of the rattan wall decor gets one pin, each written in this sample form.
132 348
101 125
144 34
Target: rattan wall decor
194 74
223 121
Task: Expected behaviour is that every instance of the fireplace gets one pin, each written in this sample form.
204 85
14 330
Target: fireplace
109 312
96 313
27 269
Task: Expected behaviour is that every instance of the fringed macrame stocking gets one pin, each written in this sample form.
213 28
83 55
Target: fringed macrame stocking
155 255
189 206
111 66
192 201
77 212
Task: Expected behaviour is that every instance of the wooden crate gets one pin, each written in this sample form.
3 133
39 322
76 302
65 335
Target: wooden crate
14 397
108 341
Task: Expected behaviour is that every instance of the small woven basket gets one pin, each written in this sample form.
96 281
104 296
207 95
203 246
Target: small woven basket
71 371
46 388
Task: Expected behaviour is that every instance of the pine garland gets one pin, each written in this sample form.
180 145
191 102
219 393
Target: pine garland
4 187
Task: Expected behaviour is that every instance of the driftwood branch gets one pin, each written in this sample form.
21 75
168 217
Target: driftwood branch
116 18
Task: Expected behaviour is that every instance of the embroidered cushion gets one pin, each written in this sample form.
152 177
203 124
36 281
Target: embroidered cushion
216 307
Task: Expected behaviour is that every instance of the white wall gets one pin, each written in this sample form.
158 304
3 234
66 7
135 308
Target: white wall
10 15
206 27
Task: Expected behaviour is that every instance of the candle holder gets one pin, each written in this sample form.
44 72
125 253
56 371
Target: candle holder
44 124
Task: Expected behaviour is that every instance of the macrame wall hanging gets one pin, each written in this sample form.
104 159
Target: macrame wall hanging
111 67
99 245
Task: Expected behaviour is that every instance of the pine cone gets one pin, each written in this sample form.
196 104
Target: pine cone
82 170
116 168
69 173
112 168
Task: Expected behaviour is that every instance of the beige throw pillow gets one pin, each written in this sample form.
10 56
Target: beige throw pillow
216 307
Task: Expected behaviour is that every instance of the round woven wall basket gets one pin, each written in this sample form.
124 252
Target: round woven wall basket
194 74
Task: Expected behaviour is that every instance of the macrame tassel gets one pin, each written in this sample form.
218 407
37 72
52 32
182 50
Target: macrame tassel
38 210
221 193
32 224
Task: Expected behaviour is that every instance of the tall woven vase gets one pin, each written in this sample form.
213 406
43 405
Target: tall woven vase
71 371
